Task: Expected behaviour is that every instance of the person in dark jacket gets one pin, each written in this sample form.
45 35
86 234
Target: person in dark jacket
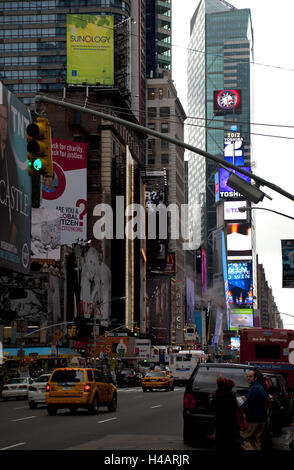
226 425
254 408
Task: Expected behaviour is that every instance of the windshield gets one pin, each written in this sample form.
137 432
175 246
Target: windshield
155 374
205 377
42 378
68 375
17 381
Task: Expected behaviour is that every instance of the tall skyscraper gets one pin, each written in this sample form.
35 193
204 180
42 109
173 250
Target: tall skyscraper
219 95
158 30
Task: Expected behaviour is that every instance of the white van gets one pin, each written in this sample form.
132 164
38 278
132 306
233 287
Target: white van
182 364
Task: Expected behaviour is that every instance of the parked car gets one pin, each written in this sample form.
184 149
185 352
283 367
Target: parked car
157 380
37 391
281 401
16 388
198 412
78 387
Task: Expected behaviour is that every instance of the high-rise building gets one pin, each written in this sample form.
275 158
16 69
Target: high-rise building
158 30
219 57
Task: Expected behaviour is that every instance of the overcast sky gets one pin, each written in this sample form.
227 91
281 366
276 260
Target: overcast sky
273 104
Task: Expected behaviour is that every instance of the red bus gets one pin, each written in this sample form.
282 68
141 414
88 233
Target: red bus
270 350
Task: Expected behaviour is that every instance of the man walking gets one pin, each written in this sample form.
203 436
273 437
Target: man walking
255 411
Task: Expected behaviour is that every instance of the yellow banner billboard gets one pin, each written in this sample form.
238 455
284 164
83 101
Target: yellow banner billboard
90 50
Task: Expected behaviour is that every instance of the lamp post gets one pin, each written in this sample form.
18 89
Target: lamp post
249 209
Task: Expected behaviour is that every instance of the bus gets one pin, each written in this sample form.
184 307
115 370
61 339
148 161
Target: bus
270 350
182 364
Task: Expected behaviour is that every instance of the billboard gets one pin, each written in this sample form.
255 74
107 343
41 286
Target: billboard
233 148
240 284
231 211
90 50
15 184
189 300
241 318
239 244
158 290
227 102
225 191
62 217
216 183
198 323
288 263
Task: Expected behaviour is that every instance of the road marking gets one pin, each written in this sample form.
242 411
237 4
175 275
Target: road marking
21 408
14 445
105 421
156 406
21 419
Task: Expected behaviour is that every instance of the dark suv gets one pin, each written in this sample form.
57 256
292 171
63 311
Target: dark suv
281 401
198 414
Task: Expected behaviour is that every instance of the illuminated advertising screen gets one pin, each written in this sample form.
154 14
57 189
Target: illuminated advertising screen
227 102
216 181
241 318
235 342
240 284
231 210
239 244
233 149
288 263
90 50
225 191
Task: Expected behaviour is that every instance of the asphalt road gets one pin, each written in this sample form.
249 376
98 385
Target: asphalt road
143 421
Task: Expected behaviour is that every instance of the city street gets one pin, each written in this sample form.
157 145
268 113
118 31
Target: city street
143 421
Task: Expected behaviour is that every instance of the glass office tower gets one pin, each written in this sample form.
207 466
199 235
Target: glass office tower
219 57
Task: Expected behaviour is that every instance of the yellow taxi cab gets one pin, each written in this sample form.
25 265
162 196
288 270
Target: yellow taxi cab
157 380
78 387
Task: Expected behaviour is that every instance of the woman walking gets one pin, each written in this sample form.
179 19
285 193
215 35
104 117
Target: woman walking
226 425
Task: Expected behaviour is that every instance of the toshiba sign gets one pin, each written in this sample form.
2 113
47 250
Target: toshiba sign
231 210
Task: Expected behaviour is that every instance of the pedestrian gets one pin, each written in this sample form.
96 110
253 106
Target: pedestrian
226 425
254 408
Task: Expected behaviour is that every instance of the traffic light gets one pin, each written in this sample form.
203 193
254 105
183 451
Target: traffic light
39 148
73 330
136 330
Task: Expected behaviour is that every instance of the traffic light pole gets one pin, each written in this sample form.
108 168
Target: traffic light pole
259 181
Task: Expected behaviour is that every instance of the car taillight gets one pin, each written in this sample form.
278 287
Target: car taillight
23 386
47 388
33 389
87 388
164 380
143 380
189 401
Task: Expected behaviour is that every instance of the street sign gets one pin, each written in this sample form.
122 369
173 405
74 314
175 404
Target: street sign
58 334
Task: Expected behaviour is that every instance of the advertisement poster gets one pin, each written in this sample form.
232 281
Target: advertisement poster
159 308
288 263
62 217
240 284
90 50
241 318
189 300
15 184
239 243
225 191
198 323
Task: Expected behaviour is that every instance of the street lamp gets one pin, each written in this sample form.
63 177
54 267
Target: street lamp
249 209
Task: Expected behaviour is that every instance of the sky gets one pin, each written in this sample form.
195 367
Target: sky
273 104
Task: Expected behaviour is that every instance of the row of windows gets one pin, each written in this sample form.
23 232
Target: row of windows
30 19
158 93
32 60
31 46
26 74
33 87
31 32
164 111
50 4
164 159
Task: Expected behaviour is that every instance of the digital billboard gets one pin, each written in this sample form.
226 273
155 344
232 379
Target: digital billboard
189 300
15 184
227 102
233 149
239 244
241 318
225 191
235 342
240 284
90 50
231 210
216 182
288 263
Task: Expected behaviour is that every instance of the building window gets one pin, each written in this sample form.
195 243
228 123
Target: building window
164 111
164 158
152 126
164 127
151 93
164 145
152 113
151 160
160 93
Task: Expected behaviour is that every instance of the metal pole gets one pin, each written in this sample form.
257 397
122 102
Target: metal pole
249 209
142 129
